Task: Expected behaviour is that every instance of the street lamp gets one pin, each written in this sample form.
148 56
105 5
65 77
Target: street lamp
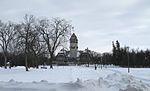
128 59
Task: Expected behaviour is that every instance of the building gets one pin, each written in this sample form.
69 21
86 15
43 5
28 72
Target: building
73 46
73 56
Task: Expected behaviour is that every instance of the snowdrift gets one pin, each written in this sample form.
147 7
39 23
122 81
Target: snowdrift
108 80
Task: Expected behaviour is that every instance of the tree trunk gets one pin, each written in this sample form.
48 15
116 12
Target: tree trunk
51 65
51 62
36 62
5 58
26 63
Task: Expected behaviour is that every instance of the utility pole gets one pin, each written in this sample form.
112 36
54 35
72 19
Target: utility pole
128 59
101 60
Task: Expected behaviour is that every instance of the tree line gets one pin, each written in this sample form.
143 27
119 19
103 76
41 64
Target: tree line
35 41
120 56
32 42
124 56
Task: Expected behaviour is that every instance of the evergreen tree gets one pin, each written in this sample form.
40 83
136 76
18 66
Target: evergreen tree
114 53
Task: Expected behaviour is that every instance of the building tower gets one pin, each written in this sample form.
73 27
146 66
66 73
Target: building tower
73 46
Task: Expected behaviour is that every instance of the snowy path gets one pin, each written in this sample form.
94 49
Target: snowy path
74 78
139 73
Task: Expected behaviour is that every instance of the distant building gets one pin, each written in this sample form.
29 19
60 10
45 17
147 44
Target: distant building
61 58
73 46
73 56
85 58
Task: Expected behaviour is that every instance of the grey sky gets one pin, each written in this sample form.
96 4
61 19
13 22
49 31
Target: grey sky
97 22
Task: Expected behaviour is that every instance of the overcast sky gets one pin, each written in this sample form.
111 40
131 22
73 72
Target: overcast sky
97 22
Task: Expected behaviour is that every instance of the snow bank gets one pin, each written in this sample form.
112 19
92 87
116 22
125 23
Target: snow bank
71 79
113 82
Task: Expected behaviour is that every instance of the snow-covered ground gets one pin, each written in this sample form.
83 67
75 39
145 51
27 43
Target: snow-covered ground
74 78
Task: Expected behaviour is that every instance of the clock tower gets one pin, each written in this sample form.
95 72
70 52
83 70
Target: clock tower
73 46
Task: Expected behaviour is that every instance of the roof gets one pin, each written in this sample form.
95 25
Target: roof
73 36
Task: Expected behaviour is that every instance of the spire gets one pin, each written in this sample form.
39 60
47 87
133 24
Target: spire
73 38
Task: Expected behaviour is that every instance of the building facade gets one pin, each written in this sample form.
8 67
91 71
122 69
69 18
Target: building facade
73 46
73 56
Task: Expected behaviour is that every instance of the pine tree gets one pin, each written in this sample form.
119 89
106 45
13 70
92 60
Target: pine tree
114 53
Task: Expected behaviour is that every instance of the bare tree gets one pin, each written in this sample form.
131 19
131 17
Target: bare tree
7 32
25 35
55 33
36 46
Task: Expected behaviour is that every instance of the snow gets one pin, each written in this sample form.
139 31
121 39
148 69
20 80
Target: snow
140 73
74 78
59 74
